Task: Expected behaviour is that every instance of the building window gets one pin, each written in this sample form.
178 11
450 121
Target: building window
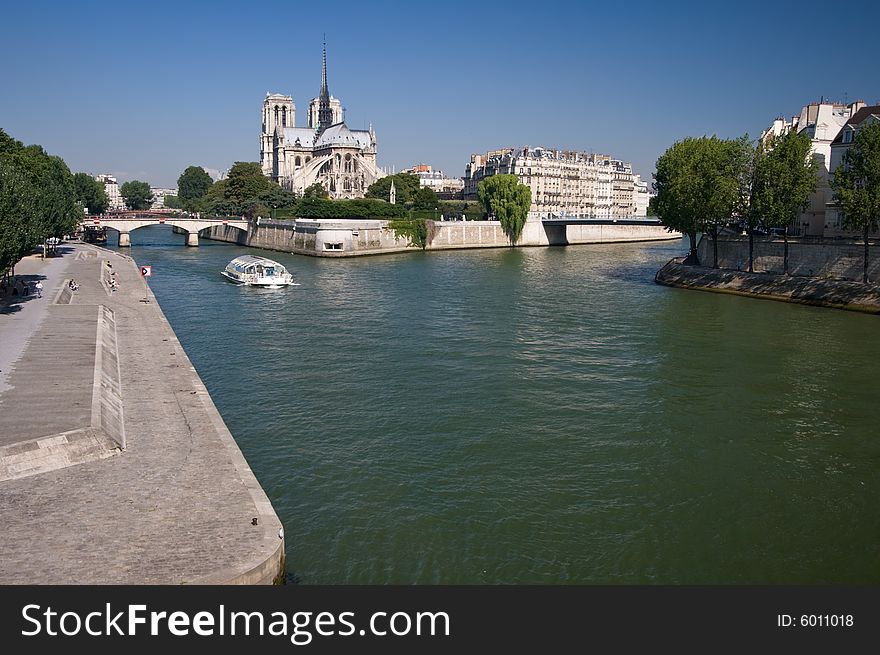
333 246
847 136
297 161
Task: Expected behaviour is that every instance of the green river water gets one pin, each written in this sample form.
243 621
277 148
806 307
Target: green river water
537 416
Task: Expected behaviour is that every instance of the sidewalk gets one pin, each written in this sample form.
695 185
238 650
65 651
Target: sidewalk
178 505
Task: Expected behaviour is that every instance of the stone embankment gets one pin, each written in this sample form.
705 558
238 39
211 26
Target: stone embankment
841 294
115 465
353 237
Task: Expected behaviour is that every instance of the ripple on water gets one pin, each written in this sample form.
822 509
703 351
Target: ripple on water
537 416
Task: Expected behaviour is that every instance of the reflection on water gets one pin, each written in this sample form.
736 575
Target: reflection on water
540 415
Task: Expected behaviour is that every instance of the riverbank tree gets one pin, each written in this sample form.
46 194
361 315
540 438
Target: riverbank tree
856 185
508 201
785 174
700 187
37 199
137 194
192 185
90 193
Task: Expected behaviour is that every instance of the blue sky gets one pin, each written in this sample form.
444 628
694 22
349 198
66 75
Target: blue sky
145 89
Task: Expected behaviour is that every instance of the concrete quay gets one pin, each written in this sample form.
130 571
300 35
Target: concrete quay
839 294
115 465
357 237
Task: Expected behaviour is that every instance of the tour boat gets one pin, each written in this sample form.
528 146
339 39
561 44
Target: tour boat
258 272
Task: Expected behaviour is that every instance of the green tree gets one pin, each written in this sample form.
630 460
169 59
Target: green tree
173 202
425 198
784 178
90 193
508 200
37 198
316 190
18 209
137 194
406 186
724 167
856 184
192 185
245 182
699 184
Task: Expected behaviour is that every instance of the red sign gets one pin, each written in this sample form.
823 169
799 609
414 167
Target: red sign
225 222
161 219
96 220
146 271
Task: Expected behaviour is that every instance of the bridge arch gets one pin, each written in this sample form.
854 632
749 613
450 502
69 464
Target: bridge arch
190 226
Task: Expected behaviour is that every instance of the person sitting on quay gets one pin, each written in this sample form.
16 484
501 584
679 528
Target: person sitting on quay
72 285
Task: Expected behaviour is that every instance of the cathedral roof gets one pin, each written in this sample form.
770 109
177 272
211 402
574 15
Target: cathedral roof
339 135
306 136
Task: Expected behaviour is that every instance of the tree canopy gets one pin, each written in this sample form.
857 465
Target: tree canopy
37 199
700 185
406 186
90 193
137 194
244 192
856 184
784 177
192 185
315 190
508 200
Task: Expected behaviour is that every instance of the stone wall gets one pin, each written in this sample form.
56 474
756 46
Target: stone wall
836 259
346 238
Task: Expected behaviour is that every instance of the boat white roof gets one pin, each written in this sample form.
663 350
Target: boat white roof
254 259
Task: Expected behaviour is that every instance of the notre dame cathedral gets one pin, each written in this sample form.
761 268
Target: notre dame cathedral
327 151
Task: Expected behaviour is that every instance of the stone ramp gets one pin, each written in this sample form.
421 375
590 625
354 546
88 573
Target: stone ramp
52 383
64 404
178 506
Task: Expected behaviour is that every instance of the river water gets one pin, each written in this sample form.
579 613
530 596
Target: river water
537 416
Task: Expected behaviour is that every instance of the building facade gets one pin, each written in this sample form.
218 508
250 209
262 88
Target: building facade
342 160
563 183
112 189
822 122
447 188
159 194
839 147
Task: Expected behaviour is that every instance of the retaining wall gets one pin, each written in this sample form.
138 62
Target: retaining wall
352 237
810 257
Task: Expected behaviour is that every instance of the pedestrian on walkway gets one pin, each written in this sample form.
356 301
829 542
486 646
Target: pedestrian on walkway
39 287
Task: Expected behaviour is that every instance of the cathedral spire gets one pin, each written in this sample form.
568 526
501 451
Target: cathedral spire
325 113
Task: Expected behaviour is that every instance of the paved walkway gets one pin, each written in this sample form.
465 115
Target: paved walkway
178 504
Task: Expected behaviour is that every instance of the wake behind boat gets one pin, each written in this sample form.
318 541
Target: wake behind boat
255 271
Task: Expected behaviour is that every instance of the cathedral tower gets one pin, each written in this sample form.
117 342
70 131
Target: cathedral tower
278 111
325 113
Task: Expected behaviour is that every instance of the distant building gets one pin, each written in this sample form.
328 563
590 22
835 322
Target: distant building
159 196
112 190
342 160
839 147
563 183
641 196
822 122
447 188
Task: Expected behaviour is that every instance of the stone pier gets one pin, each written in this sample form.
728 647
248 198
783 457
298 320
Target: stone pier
124 240
192 239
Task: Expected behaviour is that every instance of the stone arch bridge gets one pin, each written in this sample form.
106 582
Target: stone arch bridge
126 222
